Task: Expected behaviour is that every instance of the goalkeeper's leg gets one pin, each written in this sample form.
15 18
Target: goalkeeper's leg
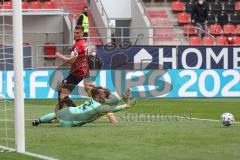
48 118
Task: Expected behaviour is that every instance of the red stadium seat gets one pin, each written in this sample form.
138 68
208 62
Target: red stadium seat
236 40
238 6
183 18
7 5
221 40
238 29
228 29
25 5
189 29
215 29
49 5
177 6
195 40
36 5
208 40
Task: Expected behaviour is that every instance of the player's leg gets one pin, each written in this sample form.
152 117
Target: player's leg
63 97
65 89
48 118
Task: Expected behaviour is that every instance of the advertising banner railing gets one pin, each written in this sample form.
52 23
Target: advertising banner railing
42 84
169 57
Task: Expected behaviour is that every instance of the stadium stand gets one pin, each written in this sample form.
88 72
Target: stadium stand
25 5
159 17
7 5
31 5
49 5
208 40
215 6
61 14
75 7
234 18
238 6
228 29
221 40
188 6
223 20
177 6
211 18
236 40
189 30
229 6
195 40
215 29
238 29
183 18
35 5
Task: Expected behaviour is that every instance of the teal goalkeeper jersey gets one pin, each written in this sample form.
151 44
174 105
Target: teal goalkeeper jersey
90 104
76 116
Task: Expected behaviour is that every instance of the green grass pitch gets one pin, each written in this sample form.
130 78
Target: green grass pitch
144 137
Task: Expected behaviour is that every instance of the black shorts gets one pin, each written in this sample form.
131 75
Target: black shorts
71 81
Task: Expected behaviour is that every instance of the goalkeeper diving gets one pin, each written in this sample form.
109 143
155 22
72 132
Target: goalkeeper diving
100 103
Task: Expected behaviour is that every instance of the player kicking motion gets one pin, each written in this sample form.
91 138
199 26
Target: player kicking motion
93 108
79 62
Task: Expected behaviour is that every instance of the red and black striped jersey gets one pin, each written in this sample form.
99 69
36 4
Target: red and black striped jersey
80 67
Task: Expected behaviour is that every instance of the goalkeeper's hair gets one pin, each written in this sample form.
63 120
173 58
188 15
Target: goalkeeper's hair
106 91
94 91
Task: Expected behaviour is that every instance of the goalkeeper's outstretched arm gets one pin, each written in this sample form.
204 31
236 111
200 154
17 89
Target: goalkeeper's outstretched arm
105 108
129 104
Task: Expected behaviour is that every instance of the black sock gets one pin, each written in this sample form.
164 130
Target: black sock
60 102
69 102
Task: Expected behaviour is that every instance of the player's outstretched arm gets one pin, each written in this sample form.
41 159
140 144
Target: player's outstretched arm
126 95
67 59
130 103
109 108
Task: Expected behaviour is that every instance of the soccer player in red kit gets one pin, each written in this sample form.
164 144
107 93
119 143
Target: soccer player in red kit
79 61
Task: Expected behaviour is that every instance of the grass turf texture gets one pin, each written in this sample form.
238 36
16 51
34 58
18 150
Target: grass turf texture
161 139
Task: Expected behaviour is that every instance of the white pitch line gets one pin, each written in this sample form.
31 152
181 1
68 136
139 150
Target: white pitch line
190 118
29 154
210 120
39 156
